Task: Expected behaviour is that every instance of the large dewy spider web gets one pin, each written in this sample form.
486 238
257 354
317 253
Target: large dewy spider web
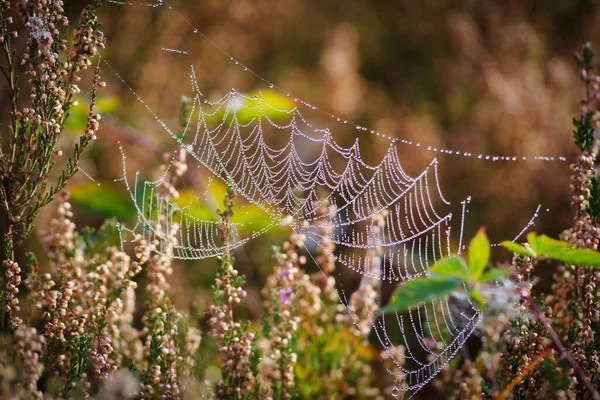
290 188
291 178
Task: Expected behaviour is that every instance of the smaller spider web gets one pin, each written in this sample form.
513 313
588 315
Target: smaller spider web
157 214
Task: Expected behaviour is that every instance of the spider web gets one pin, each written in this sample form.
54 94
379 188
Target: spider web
290 187
304 169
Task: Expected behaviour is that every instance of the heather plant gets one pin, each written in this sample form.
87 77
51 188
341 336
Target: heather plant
236 344
91 341
98 298
52 71
73 332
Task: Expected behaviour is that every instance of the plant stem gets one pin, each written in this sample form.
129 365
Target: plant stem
9 254
526 371
558 346
8 240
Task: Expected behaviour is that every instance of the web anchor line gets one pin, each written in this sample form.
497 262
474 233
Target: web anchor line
271 85
176 51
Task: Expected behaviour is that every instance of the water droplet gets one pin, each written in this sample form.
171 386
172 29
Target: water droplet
195 30
271 86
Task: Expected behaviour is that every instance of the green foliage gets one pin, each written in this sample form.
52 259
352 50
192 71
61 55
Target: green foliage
421 290
134 370
78 115
80 347
449 275
451 266
258 104
493 275
542 247
593 206
96 241
104 201
584 131
255 357
249 218
155 348
479 253
320 357
555 375
517 248
586 59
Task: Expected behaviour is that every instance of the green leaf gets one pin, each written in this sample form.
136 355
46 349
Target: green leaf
582 257
494 275
421 290
479 253
558 250
543 245
453 266
517 248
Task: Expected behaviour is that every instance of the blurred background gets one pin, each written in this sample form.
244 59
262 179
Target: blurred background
494 77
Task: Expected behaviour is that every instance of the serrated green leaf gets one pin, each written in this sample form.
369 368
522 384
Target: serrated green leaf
517 248
479 253
581 257
548 248
450 266
420 290
543 245
494 275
